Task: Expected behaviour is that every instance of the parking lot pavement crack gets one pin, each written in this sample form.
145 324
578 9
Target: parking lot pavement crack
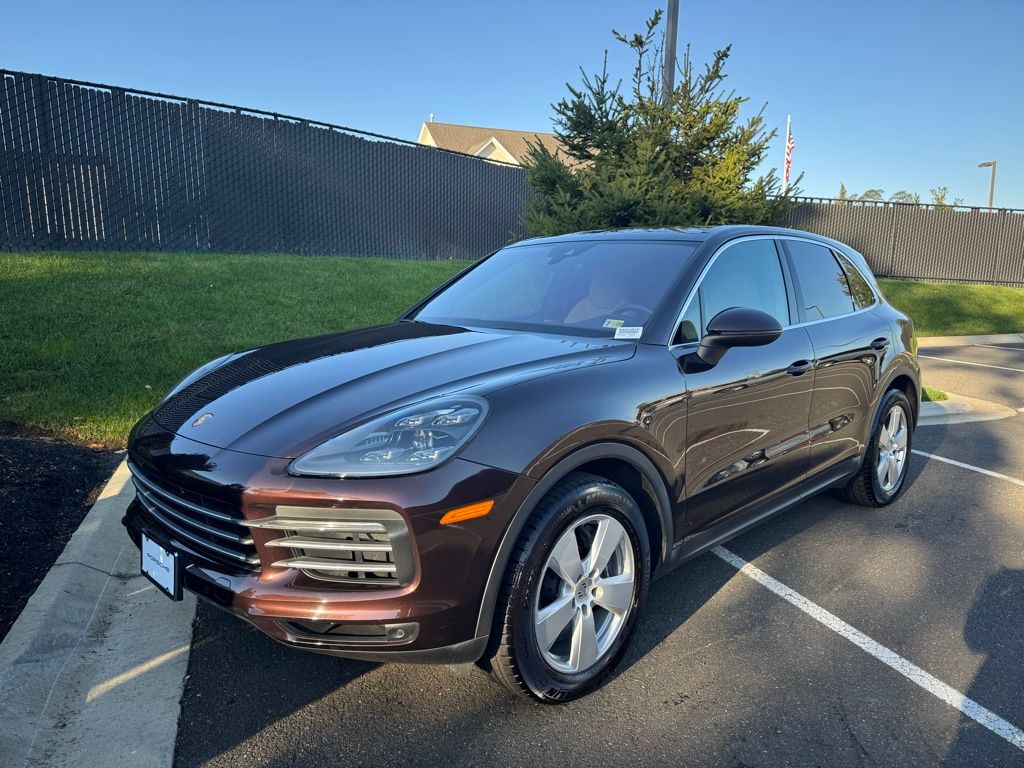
844 717
38 726
90 567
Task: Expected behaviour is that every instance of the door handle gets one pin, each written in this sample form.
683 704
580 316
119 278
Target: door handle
880 343
800 367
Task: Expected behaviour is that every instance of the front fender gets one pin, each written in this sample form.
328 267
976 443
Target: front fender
558 470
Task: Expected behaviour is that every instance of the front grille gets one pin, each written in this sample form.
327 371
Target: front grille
215 531
364 546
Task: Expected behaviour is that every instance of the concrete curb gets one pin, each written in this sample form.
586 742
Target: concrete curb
91 673
959 409
931 342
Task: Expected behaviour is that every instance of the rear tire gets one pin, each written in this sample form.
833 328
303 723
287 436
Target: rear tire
883 475
575 585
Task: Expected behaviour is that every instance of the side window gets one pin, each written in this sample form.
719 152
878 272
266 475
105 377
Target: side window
860 291
747 274
823 288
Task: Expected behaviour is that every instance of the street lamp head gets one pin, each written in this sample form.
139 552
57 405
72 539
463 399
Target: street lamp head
992 183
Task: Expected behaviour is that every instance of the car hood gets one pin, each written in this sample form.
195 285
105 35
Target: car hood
283 399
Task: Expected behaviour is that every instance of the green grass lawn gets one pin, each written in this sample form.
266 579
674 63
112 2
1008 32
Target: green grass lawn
957 309
933 394
90 342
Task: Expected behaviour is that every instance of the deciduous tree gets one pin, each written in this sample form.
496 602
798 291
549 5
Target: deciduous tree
872 194
939 198
905 197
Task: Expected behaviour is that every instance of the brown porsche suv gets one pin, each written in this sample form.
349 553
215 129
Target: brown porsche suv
497 476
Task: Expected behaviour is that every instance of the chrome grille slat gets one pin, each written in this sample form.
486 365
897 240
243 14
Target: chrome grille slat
152 488
140 489
354 546
323 564
212 532
251 560
300 542
279 523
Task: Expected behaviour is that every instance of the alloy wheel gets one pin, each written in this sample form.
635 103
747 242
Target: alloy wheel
586 592
892 449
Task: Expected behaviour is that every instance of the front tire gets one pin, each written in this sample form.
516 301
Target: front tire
572 596
887 459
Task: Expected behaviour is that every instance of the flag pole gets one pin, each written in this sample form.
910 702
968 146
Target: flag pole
785 158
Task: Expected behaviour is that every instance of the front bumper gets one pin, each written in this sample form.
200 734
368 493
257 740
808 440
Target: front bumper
432 617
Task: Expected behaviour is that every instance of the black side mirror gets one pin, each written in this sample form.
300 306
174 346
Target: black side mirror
737 327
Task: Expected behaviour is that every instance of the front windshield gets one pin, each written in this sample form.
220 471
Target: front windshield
586 288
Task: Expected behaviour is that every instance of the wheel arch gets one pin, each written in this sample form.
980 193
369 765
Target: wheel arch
907 381
618 462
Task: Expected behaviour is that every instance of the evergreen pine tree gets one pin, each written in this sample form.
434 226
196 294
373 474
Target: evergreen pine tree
641 158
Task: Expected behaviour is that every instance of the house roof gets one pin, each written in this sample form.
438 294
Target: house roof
471 139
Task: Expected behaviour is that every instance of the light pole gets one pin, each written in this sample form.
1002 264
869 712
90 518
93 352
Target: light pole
668 68
992 184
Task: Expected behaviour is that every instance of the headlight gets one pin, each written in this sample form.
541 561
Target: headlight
402 442
199 372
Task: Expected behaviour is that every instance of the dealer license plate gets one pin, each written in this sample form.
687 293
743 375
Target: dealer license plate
161 567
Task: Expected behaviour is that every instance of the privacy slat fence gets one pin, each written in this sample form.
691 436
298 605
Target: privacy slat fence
959 244
93 167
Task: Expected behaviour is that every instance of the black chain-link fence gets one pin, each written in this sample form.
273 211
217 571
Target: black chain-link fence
94 167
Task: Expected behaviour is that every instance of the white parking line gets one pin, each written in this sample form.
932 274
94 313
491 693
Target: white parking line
968 362
908 669
971 467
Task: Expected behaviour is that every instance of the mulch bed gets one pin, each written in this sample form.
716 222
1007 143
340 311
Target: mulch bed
46 488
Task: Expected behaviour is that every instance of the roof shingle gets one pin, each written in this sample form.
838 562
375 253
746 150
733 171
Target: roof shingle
471 139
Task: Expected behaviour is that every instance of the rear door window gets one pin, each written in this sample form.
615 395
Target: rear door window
863 296
822 287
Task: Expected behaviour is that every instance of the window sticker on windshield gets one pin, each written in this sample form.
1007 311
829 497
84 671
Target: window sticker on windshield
629 332
610 323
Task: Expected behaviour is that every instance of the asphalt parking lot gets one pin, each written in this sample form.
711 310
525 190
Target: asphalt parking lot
724 671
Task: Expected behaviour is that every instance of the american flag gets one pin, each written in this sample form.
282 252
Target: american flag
789 156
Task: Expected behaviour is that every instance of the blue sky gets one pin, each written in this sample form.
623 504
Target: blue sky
904 94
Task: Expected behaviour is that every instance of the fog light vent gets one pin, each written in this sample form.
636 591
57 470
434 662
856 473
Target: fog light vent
323 632
364 546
